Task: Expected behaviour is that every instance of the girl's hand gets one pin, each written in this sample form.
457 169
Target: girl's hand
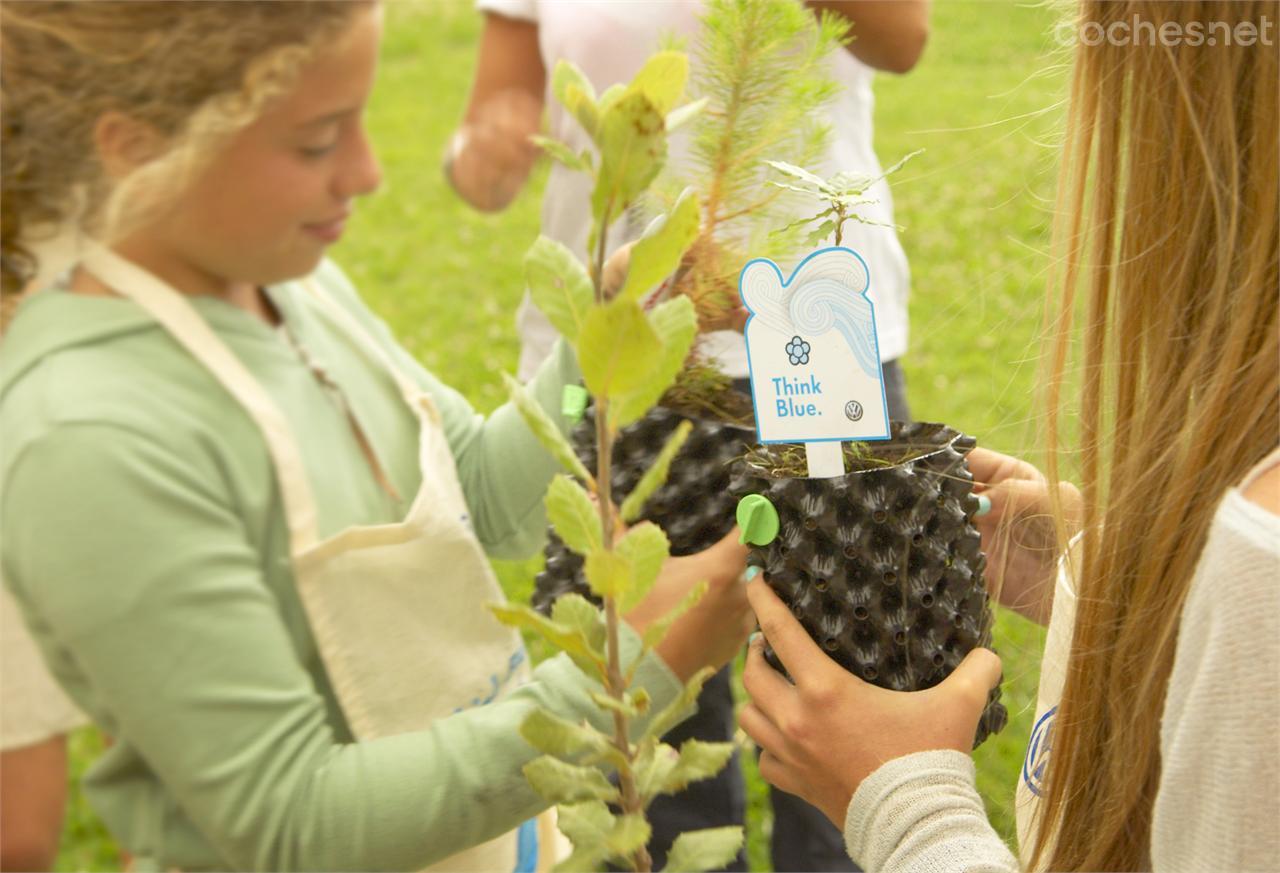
491 155
830 730
712 633
1018 533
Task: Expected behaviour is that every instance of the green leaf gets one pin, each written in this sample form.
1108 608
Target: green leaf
577 613
662 79
561 782
568 640
823 231
653 477
656 630
628 835
537 420
552 735
653 768
678 118
613 704
617 349
598 835
810 192
657 254
633 146
675 322
705 849
573 515
580 161
610 97
587 825
583 861
645 548
609 573
559 286
675 711
799 173
567 73
572 88
698 760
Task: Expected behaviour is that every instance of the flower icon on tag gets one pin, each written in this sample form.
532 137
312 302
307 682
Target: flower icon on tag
798 351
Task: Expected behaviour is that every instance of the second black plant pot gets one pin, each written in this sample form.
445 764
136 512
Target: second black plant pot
693 507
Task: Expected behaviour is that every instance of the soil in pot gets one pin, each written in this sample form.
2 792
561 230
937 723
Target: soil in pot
883 565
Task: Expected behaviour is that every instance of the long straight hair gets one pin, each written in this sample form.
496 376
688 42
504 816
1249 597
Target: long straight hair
1167 225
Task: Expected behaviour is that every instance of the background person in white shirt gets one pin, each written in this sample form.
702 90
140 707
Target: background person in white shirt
1155 745
490 159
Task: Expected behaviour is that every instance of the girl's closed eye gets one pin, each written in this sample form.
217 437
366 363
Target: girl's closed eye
318 150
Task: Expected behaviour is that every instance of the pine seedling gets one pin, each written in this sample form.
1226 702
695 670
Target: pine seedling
763 68
842 195
629 355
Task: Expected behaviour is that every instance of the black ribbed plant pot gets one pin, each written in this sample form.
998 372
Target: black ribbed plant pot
883 565
693 506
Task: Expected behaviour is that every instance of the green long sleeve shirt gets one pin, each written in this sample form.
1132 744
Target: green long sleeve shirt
142 534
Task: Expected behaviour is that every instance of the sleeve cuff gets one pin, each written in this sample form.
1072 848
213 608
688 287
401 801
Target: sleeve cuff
524 10
922 812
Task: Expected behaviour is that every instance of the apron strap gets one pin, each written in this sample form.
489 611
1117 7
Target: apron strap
176 314
411 391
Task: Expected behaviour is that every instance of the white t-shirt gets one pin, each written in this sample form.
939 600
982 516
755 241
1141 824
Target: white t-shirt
610 40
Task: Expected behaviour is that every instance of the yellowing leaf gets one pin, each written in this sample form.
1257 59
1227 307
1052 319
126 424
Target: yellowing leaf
561 782
573 515
662 79
676 324
559 286
617 349
609 573
537 420
706 849
633 146
657 254
645 548
653 477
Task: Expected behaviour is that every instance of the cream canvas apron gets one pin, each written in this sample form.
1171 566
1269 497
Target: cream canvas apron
390 641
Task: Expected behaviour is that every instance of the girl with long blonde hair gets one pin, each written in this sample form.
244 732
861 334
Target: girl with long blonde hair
248 532
1156 735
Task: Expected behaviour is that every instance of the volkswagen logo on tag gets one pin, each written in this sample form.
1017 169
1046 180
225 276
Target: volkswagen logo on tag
853 410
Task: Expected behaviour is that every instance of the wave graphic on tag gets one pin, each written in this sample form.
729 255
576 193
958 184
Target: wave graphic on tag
814 356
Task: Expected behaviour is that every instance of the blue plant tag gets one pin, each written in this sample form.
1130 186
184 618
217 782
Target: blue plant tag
813 354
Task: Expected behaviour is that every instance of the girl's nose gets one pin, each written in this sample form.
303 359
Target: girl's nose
360 173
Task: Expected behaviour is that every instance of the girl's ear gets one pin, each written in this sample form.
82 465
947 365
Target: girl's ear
124 143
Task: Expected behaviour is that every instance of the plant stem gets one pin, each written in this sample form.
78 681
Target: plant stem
615 684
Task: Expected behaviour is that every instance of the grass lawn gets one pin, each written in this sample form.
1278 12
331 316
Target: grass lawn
984 103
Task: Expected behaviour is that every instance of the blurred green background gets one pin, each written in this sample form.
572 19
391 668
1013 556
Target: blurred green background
985 103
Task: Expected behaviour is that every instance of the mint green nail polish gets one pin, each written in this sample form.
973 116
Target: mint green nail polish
984 505
752 572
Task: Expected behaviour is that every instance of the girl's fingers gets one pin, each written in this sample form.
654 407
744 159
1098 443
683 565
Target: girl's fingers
974 678
799 654
762 731
774 771
766 685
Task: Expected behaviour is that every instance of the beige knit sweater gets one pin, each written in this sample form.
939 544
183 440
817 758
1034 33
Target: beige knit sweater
1218 804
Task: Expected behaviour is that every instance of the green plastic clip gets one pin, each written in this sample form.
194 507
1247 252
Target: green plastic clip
757 519
573 402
